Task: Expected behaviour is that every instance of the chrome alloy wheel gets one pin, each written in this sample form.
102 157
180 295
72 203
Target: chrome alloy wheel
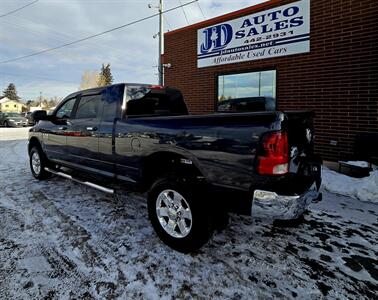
36 163
174 213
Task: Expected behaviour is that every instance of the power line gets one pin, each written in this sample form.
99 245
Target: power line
53 34
33 76
183 10
17 9
94 35
199 5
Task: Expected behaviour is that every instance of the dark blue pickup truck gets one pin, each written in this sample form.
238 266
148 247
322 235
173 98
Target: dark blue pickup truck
196 168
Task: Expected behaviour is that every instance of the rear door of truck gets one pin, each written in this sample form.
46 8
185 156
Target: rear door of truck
81 132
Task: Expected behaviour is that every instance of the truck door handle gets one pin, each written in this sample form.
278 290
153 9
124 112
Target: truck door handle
62 128
91 128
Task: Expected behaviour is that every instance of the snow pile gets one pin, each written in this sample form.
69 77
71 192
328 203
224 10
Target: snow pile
364 189
357 163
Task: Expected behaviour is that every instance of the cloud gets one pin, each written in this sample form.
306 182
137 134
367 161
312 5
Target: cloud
131 51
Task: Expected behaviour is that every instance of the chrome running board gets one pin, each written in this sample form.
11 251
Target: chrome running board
87 183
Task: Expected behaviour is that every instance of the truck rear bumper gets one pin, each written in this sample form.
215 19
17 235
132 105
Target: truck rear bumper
266 204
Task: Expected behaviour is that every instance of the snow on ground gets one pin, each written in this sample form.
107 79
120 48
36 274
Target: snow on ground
59 239
364 189
357 163
18 133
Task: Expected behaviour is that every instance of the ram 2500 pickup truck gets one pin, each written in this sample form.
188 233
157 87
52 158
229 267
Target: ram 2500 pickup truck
196 168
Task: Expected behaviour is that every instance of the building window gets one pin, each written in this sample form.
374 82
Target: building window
254 91
15 105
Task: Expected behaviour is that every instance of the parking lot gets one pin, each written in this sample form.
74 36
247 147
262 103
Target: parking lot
59 239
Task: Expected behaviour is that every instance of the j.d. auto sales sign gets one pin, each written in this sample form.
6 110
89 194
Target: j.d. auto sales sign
280 31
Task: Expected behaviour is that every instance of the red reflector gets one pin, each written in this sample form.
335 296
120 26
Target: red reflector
274 157
156 87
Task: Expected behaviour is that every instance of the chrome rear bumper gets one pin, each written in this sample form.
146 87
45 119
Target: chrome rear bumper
266 204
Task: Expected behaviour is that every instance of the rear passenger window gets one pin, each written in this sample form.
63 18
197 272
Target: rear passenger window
111 100
88 107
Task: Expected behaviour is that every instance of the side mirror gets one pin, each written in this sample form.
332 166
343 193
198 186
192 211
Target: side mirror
39 115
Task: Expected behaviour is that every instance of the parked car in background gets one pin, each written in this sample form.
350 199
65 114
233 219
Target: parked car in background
12 119
28 116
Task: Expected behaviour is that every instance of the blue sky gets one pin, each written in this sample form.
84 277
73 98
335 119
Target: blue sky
131 51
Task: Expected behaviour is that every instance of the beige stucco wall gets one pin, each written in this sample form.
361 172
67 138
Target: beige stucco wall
11 106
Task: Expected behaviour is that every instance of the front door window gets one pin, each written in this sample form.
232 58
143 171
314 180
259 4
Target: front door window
64 112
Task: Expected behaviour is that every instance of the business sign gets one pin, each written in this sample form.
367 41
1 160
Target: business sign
279 31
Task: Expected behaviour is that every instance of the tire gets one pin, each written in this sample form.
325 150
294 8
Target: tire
6 124
183 223
38 162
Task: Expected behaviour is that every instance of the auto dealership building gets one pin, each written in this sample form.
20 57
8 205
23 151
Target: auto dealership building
319 55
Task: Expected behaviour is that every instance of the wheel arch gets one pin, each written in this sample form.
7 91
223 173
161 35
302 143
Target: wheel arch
34 142
161 163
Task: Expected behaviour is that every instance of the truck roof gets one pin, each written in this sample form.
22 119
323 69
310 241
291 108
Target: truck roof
99 89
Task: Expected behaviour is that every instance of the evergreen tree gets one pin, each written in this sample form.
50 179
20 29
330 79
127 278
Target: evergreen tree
106 76
11 93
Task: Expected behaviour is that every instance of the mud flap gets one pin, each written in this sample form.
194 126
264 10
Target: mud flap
311 167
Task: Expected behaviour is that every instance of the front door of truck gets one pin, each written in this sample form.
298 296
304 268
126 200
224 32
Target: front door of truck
82 132
54 133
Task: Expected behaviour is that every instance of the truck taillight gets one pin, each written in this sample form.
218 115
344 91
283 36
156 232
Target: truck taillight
274 157
156 87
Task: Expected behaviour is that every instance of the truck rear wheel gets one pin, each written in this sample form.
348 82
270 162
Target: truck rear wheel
38 162
180 218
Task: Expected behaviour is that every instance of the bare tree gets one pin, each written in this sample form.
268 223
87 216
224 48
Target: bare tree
54 101
89 80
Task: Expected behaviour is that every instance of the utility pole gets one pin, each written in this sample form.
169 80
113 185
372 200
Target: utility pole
161 43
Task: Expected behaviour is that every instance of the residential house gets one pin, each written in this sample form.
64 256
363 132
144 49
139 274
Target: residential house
8 105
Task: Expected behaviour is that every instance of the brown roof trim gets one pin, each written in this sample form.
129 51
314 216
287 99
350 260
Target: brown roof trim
226 17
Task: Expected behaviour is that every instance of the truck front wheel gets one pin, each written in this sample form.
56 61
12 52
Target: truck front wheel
38 162
178 214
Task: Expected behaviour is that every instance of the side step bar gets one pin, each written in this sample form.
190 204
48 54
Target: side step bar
87 183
